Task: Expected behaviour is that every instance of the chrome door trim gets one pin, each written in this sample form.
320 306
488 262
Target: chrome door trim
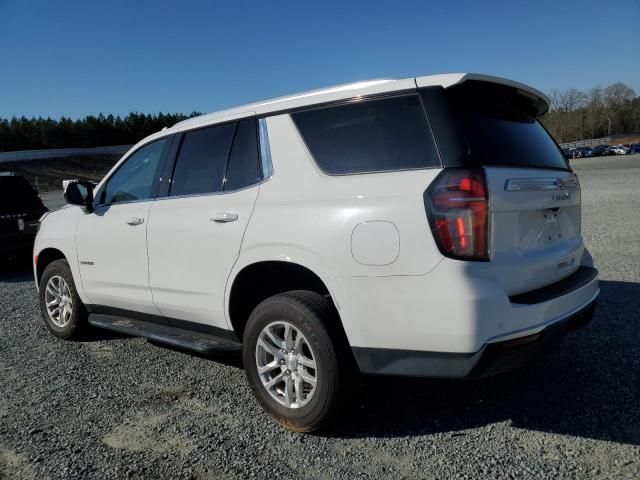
265 149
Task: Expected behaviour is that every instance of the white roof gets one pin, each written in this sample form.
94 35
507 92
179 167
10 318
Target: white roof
332 94
342 92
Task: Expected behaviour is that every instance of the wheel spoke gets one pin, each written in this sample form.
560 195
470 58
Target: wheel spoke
278 342
52 290
307 362
297 344
268 367
298 389
274 381
288 390
53 302
288 337
272 350
307 378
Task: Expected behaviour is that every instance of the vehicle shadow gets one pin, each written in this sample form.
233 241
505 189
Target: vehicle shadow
229 358
589 388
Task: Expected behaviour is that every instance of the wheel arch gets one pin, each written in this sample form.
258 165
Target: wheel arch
44 258
260 280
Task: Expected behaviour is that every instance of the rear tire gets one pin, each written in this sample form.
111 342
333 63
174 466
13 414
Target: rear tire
63 312
291 337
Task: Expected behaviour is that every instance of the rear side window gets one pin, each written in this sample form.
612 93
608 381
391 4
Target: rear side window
369 136
500 128
244 161
202 160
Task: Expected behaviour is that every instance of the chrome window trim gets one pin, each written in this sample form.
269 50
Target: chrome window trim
125 202
210 194
265 150
265 162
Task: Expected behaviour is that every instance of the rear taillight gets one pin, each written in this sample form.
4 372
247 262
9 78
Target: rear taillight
457 204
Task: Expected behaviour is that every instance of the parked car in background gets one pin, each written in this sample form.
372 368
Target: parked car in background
20 211
600 150
624 148
634 148
579 152
617 150
364 228
584 152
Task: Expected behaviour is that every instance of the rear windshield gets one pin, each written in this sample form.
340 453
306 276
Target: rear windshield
369 136
501 128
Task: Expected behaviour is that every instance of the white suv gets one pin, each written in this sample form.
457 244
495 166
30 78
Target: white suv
427 227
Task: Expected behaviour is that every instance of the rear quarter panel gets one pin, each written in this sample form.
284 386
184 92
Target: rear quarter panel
307 217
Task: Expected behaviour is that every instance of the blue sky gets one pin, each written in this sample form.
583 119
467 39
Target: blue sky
76 58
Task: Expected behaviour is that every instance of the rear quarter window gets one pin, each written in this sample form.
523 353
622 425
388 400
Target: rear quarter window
369 136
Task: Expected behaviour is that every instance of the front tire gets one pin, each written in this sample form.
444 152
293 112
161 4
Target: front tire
293 360
62 310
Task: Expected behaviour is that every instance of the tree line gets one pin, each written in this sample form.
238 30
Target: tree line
599 112
573 115
92 131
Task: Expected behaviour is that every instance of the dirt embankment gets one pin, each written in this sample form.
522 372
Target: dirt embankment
47 175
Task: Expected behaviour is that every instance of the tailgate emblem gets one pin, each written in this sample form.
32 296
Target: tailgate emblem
562 196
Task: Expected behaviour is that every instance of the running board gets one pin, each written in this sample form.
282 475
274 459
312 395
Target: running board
178 337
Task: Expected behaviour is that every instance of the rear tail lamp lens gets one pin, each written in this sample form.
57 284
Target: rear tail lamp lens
457 204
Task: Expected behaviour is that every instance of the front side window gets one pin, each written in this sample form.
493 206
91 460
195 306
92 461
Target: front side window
369 136
134 178
202 160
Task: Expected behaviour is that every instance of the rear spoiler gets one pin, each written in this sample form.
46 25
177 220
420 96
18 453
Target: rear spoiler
539 99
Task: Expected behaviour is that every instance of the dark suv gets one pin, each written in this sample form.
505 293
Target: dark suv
20 211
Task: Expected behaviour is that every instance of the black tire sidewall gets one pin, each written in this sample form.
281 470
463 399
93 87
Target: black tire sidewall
313 414
61 268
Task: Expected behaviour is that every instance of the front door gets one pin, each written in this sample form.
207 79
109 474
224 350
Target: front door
112 240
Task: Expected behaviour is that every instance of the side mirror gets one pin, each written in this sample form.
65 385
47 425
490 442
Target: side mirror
80 193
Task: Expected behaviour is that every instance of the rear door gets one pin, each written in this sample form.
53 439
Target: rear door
196 230
534 198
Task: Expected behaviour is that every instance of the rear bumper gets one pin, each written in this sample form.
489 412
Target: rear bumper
493 358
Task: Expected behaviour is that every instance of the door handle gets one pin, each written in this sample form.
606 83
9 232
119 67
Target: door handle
224 217
134 221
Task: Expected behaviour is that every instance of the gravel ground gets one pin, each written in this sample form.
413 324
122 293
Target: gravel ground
118 407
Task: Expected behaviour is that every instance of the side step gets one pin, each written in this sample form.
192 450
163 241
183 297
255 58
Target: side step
178 337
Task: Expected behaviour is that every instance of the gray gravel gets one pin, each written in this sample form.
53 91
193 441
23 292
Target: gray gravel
118 407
